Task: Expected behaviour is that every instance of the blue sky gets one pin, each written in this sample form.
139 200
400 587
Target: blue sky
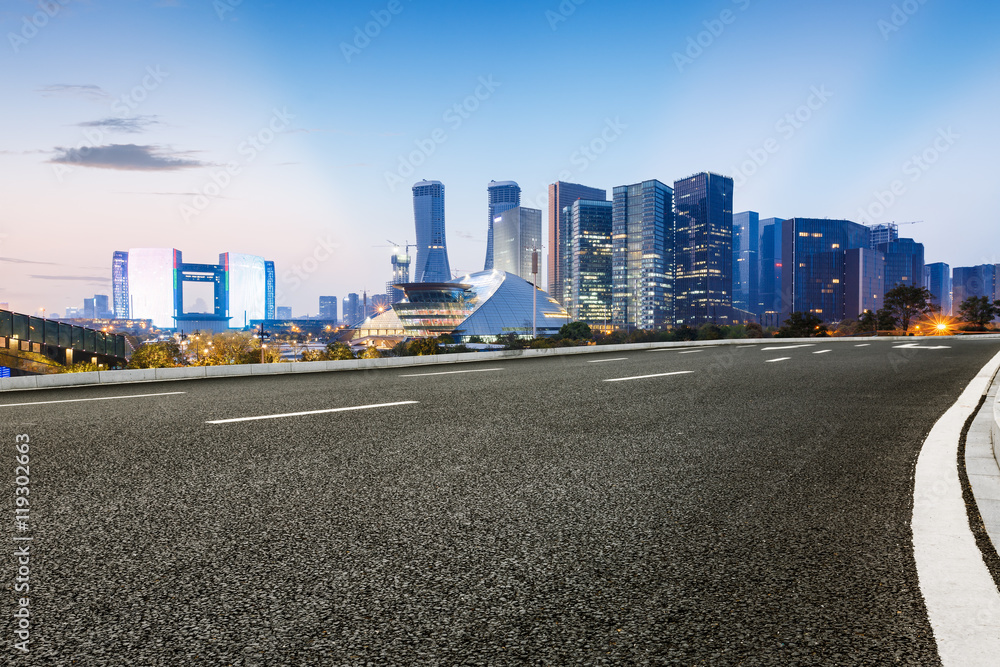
273 129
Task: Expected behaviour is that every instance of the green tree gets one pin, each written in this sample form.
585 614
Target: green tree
338 352
907 302
802 325
754 330
576 331
709 331
166 354
371 353
978 310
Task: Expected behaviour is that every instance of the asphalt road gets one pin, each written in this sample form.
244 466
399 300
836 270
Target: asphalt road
745 512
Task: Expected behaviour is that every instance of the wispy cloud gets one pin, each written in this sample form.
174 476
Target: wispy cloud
87 91
133 125
88 279
31 152
15 260
127 157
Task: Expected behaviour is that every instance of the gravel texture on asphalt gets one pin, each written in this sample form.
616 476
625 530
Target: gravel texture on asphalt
747 513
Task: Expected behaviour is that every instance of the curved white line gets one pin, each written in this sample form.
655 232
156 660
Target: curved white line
963 604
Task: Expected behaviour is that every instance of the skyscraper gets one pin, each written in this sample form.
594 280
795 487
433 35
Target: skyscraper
119 284
102 307
517 234
814 270
937 280
642 258
746 261
244 294
152 280
352 309
269 290
904 262
562 195
428 215
501 196
703 246
400 274
589 273
328 308
769 283
977 281
884 233
864 281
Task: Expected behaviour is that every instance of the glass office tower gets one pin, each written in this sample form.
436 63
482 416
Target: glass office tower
769 283
153 277
501 196
746 261
813 265
428 215
904 262
937 280
244 288
977 281
561 196
588 277
119 284
517 233
642 255
703 247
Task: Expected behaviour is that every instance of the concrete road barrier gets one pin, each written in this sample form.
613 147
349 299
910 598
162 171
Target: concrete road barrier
195 372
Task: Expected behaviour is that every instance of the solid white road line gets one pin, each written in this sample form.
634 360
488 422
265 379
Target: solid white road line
771 361
963 604
310 412
600 361
787 347
474 370
103 398
643 377
690 351
822 351
914 346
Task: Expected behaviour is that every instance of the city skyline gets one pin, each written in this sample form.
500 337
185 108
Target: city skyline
135 142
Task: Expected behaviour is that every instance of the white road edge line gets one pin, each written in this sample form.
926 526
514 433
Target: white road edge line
787 347
310 412
963 604
643 377
102 398
473 370
822 351
771 361
599 361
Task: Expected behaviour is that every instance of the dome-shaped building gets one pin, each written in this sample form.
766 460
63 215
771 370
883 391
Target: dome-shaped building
487 304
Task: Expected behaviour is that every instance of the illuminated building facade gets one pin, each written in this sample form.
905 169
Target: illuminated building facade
561 196
487 304
517 235
428 216
703 248
588 273
642 255
119 284
813 255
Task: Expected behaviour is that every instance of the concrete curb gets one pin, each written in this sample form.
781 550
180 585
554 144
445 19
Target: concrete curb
196 372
